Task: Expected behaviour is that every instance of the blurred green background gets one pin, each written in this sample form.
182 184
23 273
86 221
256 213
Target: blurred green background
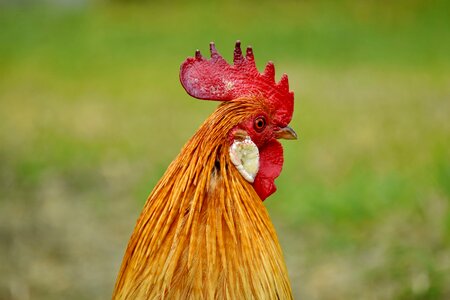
92 112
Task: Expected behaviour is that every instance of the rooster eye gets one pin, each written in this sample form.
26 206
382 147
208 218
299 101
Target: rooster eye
260 124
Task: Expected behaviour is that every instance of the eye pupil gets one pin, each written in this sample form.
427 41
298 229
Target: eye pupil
260 123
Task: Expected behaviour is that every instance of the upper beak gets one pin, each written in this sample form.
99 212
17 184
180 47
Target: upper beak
286 133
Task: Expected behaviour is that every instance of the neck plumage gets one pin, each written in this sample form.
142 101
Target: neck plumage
204 232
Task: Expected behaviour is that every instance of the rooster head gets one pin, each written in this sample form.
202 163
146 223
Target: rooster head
254 148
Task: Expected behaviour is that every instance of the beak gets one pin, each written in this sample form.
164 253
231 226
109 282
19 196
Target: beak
286 133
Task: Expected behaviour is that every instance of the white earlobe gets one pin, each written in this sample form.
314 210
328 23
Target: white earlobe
245 156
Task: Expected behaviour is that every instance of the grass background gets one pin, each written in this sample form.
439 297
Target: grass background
92 113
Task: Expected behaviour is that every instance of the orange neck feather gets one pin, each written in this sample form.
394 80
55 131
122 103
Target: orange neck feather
204 232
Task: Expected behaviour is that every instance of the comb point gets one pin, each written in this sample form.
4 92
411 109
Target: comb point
284 82
250 53
212 49
198 54
237 52
269 71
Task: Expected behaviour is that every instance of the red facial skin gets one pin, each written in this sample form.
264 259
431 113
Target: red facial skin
270 152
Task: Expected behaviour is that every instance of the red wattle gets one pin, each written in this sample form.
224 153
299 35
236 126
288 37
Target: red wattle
270 165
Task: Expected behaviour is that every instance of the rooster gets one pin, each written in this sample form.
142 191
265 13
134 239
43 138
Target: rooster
204 232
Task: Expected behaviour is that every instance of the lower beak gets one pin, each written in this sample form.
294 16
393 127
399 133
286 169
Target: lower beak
286 133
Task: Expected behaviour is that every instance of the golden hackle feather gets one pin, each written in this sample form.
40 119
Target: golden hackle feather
204 232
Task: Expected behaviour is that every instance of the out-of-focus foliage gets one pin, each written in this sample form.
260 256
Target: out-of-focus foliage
92 113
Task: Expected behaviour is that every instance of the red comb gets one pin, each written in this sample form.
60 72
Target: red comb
215 79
